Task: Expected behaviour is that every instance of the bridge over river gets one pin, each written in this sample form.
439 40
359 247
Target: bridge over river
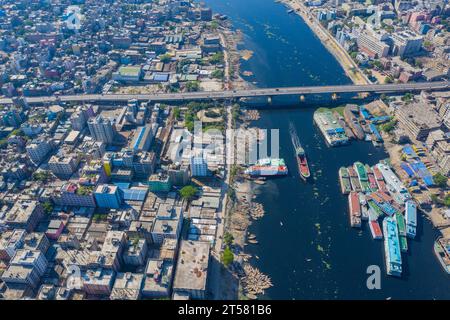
237 94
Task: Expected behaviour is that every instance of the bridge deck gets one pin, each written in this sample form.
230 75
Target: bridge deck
231 94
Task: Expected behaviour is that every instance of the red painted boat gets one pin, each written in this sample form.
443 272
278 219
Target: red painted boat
300 154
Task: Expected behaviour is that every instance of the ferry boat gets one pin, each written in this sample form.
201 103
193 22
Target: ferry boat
354 210
356 186
333 133
379 179
268 167
375 230
372 182
442 252
362 176
300 154
411 219
392 251
344 179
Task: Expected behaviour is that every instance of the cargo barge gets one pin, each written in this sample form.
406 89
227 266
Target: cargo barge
356 186
379 179
411 219
354 210
372 182
376 210
401 225
362 176
375 229
344 179
392 251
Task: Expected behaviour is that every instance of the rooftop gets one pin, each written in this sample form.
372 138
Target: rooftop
192 266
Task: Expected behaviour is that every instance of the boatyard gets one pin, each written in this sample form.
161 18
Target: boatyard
350 122
377 196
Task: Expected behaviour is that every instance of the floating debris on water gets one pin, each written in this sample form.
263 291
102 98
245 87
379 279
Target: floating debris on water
327 265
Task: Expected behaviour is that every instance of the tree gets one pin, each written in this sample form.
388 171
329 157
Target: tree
165 58
389 126
42 176
48 207
218 74
227 256
447 200
388 79
192 86
440 180
188 192
408 97
435 199
216 58
214 25
228 238
176 113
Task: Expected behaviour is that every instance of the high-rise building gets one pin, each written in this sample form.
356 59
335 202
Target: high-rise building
108 196
38 149
178 174
26 268
101 129
205 14
63 165
25 214
78 120
199 167
372 46
406 43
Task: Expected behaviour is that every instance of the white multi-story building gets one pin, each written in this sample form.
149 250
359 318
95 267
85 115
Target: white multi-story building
373 46
26 268
406 43
10 242
101 129
63 165
38 149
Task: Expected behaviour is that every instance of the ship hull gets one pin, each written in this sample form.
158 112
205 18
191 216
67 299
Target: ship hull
303 167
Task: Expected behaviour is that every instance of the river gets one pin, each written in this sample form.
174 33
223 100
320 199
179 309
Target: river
305 242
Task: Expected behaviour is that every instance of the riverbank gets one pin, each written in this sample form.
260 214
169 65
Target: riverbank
350 67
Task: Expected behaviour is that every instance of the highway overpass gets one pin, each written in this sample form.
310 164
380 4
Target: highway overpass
236 94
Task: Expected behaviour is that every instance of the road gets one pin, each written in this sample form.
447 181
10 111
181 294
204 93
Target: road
234 94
